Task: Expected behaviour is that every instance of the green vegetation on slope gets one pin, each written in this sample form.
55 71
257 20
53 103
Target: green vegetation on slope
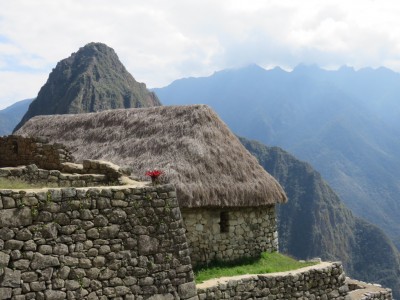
267 263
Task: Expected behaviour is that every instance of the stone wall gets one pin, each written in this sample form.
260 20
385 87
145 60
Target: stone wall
244 232
366 291
94 243
382 295
90 173
17 150
53 178
324 281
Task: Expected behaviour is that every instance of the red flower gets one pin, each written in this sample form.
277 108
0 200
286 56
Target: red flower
154 174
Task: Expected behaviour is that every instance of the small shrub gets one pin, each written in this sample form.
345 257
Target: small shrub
154 175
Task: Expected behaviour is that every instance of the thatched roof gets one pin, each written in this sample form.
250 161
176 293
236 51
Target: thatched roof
197 151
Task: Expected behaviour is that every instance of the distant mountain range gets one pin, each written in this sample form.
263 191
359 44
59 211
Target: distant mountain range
92 79
12 115
315 223
344 122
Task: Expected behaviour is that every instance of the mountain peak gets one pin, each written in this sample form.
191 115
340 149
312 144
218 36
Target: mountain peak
95 50
90 80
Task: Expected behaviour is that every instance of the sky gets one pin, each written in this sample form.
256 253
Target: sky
161 41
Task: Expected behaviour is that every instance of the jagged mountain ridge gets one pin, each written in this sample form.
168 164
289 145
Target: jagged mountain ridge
343 122
315 223
92 79
11 115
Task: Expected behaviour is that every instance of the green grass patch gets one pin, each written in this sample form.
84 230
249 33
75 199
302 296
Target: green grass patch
267 263
6 183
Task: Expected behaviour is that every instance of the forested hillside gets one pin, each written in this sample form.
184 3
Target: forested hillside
315 223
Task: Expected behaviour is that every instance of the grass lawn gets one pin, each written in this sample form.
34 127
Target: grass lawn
267 263
17 184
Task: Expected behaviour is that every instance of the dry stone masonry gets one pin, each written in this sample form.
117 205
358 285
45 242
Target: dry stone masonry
90 173
93 243
36 161
325 281
230 234
17 150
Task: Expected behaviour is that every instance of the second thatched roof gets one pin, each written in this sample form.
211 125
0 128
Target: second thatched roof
191 144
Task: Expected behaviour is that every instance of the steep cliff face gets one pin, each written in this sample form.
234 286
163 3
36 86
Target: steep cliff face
90 80
315 222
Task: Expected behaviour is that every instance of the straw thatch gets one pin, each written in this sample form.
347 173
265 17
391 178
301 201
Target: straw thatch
197 151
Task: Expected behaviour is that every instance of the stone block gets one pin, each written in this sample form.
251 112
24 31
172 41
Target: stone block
100 221
6 234
72 285
86 214
109 232
93 233
4 259
5 293
8 202
85 263
122 290
29 277
118 216
22 264
187 290
37 286
99 261
58 283
106 274
11 278
147 245
29 246
68 192
45 249
162 297
54 295
24 235
13 245
104 249
46 274
41 261
15 217
60 249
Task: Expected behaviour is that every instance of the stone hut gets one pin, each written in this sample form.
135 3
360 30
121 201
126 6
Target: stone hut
227 199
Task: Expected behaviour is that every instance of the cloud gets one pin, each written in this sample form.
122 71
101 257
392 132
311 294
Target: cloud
19 86
160 41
